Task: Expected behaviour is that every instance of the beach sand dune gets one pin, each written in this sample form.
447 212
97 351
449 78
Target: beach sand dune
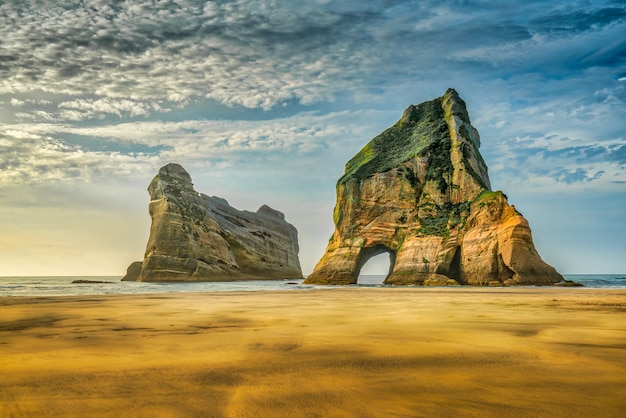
351 352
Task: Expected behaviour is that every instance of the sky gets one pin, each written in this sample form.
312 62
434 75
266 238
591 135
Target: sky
263 102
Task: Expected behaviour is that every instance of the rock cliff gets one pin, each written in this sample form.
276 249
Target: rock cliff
420 192
195 237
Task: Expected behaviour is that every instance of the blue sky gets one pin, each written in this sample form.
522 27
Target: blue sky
263 102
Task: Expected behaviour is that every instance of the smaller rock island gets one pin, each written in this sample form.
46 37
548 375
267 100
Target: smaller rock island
195 237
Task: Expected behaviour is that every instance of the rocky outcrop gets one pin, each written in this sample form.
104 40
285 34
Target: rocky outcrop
195 237
420 191
133 272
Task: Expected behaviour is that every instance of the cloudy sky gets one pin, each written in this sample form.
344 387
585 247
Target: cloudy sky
263 101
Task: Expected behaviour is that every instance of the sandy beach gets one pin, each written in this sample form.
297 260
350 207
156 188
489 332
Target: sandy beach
350 352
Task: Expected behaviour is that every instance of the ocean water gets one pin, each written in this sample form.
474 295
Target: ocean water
63 286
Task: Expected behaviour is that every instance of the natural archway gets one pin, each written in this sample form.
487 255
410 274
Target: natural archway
456 271
375 270
370 253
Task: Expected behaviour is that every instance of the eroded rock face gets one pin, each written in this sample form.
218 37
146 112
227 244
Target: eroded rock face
195 237
133 272
420 191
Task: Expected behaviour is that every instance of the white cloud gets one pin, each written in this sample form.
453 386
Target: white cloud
29 158
88 109
255 54
36 153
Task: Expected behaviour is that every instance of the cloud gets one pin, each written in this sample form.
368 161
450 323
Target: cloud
551 162
37 153
564 22
141 50
578 175
32 159
81 109
232 52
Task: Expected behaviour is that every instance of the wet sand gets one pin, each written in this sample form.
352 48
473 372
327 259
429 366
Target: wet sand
470 352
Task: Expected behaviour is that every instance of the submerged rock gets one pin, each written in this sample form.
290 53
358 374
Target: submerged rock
569 283
195 237
420 192
82 281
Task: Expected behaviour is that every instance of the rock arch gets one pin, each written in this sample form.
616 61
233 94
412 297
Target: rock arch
420 190
371 252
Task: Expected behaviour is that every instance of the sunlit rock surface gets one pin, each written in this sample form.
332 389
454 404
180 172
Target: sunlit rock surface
420 192
195 237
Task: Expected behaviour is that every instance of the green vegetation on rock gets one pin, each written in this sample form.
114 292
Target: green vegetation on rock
421 130
443 218
487 196
440 168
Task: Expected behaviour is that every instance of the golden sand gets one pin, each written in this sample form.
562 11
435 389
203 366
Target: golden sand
350 352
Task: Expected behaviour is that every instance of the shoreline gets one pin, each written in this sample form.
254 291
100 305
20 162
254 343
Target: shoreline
63 286
359 351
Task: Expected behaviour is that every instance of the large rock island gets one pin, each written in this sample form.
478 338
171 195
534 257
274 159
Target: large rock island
420 192
195 237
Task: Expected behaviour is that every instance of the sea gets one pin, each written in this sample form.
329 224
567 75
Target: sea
63 286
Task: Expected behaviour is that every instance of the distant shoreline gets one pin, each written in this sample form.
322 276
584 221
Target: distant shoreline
41 286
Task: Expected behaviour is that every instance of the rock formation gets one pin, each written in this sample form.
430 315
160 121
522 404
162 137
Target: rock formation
133 272
420 192
195 237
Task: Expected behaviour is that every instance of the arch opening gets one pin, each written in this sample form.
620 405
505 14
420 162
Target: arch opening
456 270
375 264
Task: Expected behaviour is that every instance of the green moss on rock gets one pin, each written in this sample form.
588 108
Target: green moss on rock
443 218
422 130
486 197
